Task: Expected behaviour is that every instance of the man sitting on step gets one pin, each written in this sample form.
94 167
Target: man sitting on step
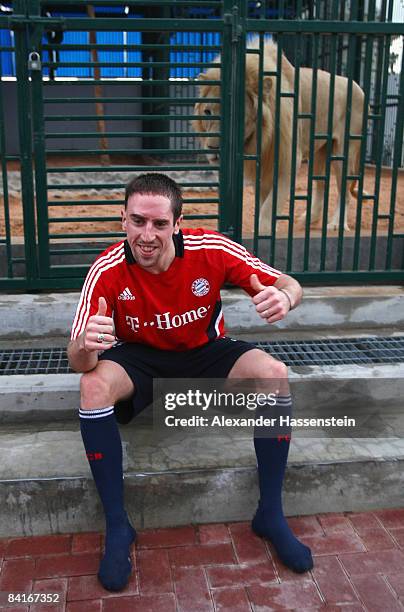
150 307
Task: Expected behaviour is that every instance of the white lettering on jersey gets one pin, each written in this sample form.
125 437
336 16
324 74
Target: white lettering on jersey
133 322
168 321
165 321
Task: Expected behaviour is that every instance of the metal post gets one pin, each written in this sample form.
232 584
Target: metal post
24 112
232 112
162 73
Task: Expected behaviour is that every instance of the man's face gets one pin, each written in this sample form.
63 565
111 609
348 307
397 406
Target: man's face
149 225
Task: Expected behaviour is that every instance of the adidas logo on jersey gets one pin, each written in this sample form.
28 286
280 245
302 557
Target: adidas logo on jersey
126 295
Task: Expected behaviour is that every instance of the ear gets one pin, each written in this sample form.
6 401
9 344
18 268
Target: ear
266 87
177 224
123 219
212 74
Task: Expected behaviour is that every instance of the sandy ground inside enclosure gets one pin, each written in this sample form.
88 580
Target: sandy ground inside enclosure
112 209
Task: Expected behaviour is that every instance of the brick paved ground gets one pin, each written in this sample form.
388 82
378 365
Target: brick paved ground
359 565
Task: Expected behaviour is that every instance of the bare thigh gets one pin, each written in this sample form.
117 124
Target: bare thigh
258 365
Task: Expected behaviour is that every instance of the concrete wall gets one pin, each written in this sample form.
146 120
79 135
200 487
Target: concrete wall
25 316
59 89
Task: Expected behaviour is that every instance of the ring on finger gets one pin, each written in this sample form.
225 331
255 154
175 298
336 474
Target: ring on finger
100 338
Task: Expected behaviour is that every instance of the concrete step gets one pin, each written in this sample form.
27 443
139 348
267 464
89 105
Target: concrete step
26 316
177 477
53 397
46 485
183 477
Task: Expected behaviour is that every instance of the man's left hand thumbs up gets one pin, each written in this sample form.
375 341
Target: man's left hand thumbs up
270 303
255 283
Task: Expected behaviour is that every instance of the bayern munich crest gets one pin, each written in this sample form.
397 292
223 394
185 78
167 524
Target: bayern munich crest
200 287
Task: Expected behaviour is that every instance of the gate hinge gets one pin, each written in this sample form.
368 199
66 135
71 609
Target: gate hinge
233 20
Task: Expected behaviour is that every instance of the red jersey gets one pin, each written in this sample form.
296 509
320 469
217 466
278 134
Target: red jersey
175 310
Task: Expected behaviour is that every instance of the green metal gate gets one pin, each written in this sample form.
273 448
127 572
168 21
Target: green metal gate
42 263
50 257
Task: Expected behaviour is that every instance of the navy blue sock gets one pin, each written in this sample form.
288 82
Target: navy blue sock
102 442
269 520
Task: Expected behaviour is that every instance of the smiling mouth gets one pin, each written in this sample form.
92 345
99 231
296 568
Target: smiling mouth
146 250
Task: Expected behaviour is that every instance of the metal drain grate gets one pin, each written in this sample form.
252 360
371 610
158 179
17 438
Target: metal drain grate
337 351
34 361
292 352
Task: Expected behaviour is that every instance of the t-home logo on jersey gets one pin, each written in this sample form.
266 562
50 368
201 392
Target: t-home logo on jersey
200 287
167 320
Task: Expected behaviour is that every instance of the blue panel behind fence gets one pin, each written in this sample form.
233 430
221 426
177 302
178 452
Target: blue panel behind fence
7 57
134 38
114 56
111 38
192 38
74 38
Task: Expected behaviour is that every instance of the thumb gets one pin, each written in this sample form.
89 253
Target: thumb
255 283
102 307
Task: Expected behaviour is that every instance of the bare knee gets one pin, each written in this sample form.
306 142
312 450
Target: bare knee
274 376
278 369
95 391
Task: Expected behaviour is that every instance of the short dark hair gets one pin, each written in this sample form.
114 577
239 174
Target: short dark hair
157 184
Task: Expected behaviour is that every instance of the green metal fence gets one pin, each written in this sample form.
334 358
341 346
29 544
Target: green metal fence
72 172
367 250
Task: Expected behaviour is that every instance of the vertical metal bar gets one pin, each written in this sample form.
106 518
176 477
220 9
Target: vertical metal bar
276 147
296 141
5 184
397 155
258 166
281 9
381 88
313 111
323 53
383 52
323 248
25 142
152 72
41 187
384 47
343 186
377 93
361 169
309 40
98 92
225 187
232 128
237 111
359 16
341 39
390 10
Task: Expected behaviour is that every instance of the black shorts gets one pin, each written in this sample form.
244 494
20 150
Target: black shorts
142 363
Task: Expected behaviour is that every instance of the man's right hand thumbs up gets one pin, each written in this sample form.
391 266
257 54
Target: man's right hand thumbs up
100 330
102 307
